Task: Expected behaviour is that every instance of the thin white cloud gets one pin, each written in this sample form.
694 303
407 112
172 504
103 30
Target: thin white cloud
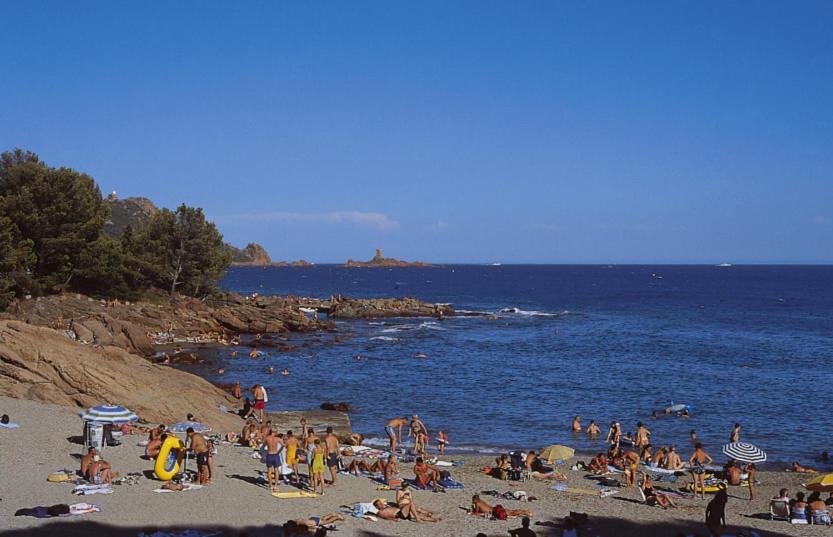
368 219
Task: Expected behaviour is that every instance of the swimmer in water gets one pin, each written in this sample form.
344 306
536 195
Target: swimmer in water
285 372
270 370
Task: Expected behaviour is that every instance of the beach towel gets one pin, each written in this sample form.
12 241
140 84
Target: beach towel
295 494
88 490
61 510
443 463
185 488
10 425
450 484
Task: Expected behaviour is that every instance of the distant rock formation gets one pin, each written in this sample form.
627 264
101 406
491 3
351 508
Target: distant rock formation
379 260
252 255
299 263
129 211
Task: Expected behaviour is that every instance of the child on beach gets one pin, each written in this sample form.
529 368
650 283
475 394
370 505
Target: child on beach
442 440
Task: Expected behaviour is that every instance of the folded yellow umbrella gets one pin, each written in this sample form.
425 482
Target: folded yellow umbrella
557 453
822 483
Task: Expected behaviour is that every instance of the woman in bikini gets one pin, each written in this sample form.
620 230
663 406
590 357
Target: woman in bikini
652 497
406 504
698 461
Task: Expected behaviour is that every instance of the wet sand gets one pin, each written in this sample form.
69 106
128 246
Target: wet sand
236 504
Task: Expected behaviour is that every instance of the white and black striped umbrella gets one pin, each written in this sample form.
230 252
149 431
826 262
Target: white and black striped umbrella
109 414
743 452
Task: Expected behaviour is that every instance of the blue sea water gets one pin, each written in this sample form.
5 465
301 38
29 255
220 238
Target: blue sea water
748 344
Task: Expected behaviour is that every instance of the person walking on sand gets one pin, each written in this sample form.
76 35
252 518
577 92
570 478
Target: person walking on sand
200 448
716 513
316 470
750 469
735 435
274 446
698 461
393 428
292 454
331 447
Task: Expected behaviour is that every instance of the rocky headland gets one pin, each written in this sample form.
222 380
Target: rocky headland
380 261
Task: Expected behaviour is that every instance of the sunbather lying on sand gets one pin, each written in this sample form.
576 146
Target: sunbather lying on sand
357 466
479 507
312 523
797 468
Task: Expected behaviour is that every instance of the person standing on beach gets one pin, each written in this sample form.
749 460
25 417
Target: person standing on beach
309 445
716 513
643 435
260 401
420 434
735 436
200 449
236 391
631 459
292 454
698 461
316 470
331 446
750 470
391 428
274 446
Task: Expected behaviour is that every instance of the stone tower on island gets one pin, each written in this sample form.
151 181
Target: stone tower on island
379 255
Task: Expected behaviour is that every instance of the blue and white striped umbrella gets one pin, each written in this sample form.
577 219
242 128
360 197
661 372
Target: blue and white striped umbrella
109 414
743 452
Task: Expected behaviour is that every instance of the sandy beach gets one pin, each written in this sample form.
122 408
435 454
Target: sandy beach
237 504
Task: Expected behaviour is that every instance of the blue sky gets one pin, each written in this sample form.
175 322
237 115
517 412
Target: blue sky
446 131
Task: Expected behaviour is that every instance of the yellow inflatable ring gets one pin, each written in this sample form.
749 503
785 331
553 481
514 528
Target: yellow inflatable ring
167 463
711 489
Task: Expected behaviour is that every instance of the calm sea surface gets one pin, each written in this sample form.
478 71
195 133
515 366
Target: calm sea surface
752 344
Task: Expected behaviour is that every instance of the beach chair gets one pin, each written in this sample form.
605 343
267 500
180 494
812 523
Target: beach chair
779 510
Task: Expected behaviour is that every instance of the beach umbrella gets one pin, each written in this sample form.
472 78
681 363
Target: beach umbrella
822 483
182 426
557 453
743 452
112 414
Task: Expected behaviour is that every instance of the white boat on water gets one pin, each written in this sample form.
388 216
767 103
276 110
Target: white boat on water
495 265
724 265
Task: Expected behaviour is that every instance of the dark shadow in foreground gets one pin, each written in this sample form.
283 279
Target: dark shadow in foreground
85 528
601 526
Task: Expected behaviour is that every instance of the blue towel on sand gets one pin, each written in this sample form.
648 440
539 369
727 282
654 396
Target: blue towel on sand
450 484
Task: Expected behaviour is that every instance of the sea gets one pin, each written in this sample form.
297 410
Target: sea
746 344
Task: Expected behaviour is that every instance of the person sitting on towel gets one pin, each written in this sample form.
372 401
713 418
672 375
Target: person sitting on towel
672 459
391 468
652 496
100 471
733 474
426 476
598 464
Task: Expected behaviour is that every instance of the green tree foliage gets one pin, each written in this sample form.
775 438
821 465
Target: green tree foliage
180 251
60 211
15 257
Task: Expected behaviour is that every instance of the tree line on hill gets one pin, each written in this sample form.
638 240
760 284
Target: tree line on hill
52 240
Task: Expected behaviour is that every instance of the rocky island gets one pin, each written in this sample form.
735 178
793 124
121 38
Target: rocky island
380 261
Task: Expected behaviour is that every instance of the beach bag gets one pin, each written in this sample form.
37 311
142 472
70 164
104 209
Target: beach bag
498 512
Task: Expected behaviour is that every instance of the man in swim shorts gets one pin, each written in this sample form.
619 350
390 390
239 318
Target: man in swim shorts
631 464
274 445
391 429
200 449
331 446
260 401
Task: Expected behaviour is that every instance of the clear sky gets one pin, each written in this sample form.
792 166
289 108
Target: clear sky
668 131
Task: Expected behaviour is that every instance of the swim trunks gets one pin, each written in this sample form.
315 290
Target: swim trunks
202 459
260 405
332 460
390 430
273 460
